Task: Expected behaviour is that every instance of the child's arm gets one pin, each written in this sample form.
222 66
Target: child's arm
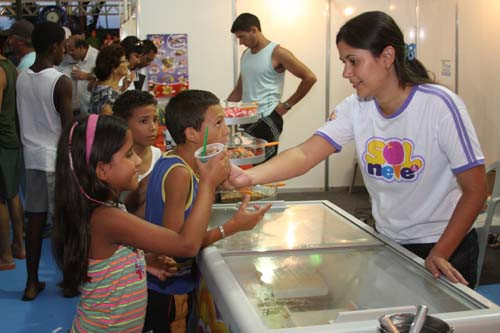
243 219
177 187
136 200
112 226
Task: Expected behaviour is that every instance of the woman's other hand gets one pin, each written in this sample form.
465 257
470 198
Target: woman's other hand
438 265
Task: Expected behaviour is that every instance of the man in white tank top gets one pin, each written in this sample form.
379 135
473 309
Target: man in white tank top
263 66
44 107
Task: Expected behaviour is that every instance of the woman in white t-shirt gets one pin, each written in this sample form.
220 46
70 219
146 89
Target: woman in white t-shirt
418 151
138 108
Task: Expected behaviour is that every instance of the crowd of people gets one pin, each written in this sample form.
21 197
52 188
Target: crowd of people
129 220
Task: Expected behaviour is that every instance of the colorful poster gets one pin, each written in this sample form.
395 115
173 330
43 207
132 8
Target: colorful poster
168 73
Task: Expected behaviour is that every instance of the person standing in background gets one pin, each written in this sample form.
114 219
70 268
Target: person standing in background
149 53
93 40
263 65
111 67
85 56
44 107
134 49
19 43
11 208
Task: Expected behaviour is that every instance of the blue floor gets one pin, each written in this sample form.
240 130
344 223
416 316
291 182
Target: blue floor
49 312
491 292
52 313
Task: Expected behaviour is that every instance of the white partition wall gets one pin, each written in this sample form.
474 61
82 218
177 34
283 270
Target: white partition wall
479 70
436 38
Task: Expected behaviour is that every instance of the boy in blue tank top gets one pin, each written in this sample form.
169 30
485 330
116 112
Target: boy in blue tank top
171 191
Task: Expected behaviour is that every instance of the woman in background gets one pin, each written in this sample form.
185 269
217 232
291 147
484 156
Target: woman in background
110 67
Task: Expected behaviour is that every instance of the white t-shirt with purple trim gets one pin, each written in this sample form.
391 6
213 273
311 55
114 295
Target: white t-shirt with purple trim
409 159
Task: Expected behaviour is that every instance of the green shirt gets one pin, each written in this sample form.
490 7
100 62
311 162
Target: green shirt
9 124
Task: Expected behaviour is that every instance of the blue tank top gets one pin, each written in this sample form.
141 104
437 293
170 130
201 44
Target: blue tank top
183 281
260 81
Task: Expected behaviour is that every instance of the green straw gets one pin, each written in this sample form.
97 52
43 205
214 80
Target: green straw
205 138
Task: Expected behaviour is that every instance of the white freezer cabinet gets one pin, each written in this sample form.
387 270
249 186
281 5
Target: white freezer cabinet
311 267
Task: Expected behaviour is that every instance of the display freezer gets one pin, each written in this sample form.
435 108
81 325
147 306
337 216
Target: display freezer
309 266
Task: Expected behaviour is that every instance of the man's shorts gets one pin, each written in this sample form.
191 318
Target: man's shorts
39 191
10 172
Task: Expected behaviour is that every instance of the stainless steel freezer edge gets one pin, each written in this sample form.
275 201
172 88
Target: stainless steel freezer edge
222 269
234 307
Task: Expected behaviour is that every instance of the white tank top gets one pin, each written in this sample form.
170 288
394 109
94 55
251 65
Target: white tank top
39 121
260 81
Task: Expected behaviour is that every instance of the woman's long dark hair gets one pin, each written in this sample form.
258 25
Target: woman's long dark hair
71 232
374 31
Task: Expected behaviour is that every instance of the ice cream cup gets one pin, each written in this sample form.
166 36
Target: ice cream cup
213 150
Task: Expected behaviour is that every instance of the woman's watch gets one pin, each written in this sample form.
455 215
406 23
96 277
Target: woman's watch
287 106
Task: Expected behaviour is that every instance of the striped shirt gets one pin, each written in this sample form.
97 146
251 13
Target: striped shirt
409 159
114 300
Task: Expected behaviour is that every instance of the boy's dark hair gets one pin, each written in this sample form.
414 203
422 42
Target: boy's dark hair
148 46
81 43
245 22
132 44
374 31
126 103
187 109
108 59
45 35
71 231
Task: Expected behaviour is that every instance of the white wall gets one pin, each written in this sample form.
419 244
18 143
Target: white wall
479 70
437 39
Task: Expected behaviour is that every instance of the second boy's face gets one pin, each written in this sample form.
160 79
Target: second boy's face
144 125
217 128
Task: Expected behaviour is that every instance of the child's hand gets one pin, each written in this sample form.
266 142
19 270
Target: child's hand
216 170
160 266
245 219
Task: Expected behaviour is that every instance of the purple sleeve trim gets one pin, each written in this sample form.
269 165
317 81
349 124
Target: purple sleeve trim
467 166
337 147
457 118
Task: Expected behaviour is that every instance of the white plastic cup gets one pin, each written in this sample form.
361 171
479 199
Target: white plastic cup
213 150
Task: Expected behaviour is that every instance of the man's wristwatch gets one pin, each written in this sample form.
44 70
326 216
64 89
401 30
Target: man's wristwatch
287 106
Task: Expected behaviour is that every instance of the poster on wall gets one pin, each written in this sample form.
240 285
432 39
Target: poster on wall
168 73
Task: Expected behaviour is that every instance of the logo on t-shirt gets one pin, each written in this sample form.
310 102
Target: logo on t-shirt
392 160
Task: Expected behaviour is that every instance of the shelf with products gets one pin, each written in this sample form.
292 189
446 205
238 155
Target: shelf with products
243 148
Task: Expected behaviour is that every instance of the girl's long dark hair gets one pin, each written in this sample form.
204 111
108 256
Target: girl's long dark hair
71 232
374 31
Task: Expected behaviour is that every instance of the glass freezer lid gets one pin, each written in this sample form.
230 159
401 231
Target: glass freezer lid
294 226
306 288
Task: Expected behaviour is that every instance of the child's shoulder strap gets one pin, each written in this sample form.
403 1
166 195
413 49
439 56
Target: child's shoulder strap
178 161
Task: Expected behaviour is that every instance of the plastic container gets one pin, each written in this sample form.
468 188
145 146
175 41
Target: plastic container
257 193
213 150
239 109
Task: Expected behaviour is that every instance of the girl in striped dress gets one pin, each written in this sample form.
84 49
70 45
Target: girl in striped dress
97 244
